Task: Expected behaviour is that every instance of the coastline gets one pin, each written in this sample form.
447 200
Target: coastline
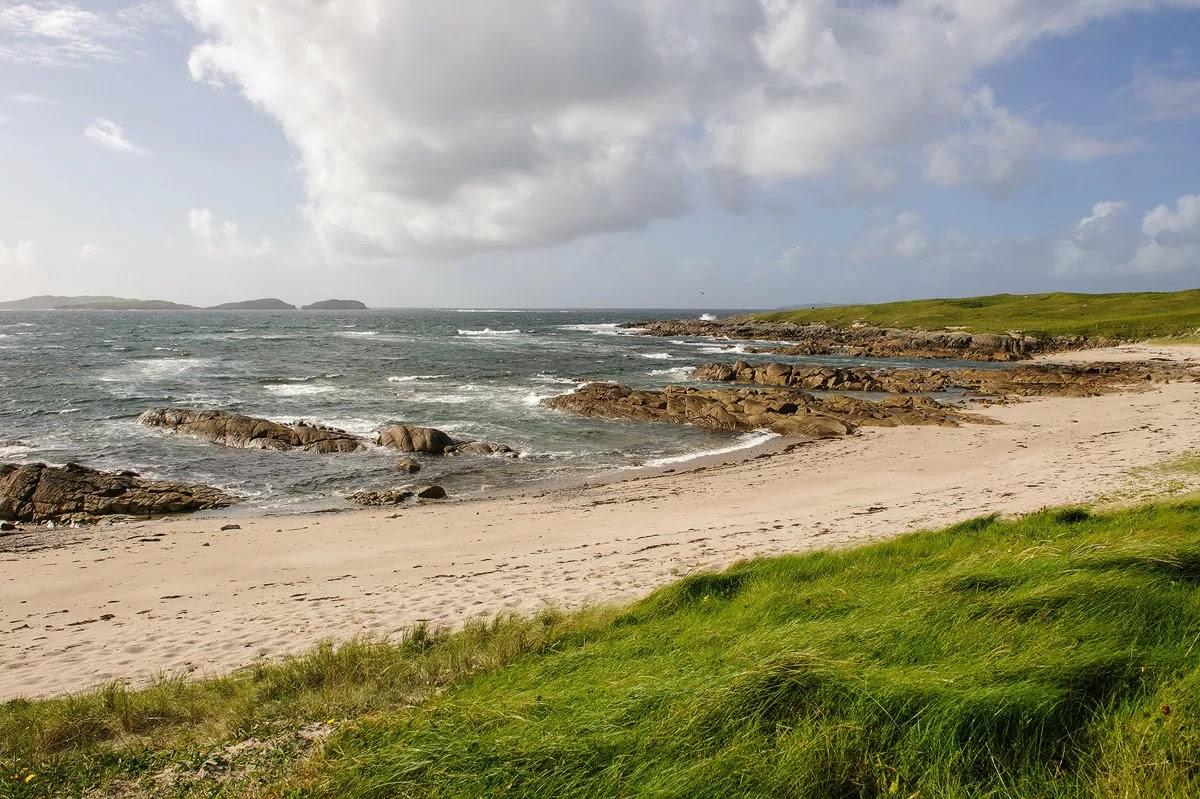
181 596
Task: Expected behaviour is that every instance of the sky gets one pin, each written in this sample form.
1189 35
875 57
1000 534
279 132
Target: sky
569 153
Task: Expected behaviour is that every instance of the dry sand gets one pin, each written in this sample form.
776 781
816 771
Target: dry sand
139 599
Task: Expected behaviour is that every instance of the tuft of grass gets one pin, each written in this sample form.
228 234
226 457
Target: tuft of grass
1172 317
1056 655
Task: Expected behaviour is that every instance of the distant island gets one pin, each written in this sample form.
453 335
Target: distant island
267 304
336 305
52 302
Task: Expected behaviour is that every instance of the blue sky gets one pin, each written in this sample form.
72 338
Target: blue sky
564 153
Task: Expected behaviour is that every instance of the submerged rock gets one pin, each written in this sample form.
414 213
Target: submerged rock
393 496
249 432
36 493
481 448
785 411
408 465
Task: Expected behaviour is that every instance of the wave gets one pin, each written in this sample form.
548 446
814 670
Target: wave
744 441
707 317
357 333
554 380
603 329
297 389
657 356
153 369
739 349
677 371
412 378
487 331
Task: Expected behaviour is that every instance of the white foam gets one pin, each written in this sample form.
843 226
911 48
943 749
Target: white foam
734 348
707 317
412 378
604 329
744 441
554 380
677 371
358 333
154 369
297 389
487 331
658 356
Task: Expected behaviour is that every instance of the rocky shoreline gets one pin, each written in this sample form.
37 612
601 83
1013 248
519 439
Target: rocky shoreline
1030 380
869 342
786 411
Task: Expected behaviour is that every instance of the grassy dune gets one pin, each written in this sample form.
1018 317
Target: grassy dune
1133 316
1053 656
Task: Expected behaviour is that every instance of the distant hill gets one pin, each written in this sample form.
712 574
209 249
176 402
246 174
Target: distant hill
266 304
336 305
48 302
128 305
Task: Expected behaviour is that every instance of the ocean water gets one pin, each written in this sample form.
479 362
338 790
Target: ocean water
73 383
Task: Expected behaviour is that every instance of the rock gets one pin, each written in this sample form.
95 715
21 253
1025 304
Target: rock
393 496
868 341
786 411
39 493
7 527
408 465
411 438
431 441
481 448
249 432
431 492
226 527
1043 379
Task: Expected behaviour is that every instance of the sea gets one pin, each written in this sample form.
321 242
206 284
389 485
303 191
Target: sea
72 384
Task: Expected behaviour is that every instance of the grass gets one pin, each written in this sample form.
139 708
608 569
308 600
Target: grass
1171 316
1057 655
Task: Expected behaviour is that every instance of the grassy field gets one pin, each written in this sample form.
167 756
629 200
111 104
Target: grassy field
1053 656
1132 317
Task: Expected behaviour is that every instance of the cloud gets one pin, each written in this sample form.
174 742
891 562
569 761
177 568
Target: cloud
29 98
109 134
1110 240
1165 97
22 253
443 129
1172 238
90 252
54 33
223 240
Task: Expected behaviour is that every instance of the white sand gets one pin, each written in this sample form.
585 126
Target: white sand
200 600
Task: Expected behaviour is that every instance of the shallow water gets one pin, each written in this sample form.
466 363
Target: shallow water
73 383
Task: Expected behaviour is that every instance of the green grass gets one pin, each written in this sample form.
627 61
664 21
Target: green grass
1174 316
1057 655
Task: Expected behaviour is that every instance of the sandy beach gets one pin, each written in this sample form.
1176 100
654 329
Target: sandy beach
83 606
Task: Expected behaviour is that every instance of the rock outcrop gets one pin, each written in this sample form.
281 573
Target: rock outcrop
36 493
867 341
784 410
413 438
431 441
249 432
1027 380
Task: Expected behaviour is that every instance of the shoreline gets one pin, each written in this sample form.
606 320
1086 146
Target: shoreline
180 596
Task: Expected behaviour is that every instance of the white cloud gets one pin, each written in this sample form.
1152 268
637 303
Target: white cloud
109 134
1166 97
223 240
1172 238
22 253
29 98
468 126
90 252
59 33
1110 241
